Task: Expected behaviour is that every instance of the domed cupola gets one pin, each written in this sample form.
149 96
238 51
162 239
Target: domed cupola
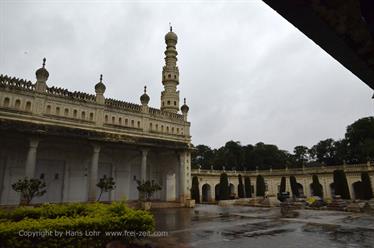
100 90
100 86
42 74
144 99
184 107
171 36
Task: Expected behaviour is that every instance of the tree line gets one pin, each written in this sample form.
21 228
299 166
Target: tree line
357 146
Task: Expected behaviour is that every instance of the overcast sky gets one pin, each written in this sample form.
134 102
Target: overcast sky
248 75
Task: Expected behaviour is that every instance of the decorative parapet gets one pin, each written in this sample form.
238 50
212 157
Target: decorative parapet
157 112
123 105
293 171
76 95
21 84
16 83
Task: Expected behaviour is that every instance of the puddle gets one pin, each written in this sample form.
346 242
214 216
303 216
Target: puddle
211 226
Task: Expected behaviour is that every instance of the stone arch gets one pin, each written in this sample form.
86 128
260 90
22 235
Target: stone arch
216 190
206 193
17 104
6 102
232 190
28 106
332 189
357 190
300 189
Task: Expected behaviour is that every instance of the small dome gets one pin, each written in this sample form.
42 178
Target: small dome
144 99
171 35
184 107
100 86
42 74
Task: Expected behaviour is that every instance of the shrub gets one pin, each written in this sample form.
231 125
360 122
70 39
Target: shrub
260 186
366 186
247 186
147 189
105 184
29 189
317 189
341 184
240 187
293 183
224 191
66 220
195 190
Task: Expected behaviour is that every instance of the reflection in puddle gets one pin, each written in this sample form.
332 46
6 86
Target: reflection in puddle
214 227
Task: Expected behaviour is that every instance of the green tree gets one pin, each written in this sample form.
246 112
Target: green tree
248 188
29 189
219 159
240 187
202 155
195 190
360 140
260 186
293 184
316 187
105 184
301 154
324 152
366 186
233 155
341 184
224 191
248 162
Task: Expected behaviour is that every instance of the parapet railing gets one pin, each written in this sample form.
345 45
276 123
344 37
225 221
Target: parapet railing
303 170
157 112
123 105
21 84
16 83
76 95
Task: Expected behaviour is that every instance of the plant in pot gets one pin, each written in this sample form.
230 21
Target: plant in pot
146 190
106 184
29 189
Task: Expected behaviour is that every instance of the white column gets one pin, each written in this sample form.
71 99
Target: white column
31 158
143 169
184 168
93 173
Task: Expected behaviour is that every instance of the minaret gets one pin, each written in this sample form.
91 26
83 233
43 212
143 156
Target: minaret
170 75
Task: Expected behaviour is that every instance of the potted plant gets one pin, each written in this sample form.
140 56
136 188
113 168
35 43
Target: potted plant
146 190
29 189
105 184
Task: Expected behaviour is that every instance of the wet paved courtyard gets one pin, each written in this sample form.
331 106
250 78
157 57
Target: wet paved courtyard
211 226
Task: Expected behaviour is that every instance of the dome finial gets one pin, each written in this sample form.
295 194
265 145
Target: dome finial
101 78
44 60
171 27
184 100
144 99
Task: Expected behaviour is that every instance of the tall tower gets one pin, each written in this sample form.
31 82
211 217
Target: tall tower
170 75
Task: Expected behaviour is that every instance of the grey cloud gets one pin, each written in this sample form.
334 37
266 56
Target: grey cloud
247 73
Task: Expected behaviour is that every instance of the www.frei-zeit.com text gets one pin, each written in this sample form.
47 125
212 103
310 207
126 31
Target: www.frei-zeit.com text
91 233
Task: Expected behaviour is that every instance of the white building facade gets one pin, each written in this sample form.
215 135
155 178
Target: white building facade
72 139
